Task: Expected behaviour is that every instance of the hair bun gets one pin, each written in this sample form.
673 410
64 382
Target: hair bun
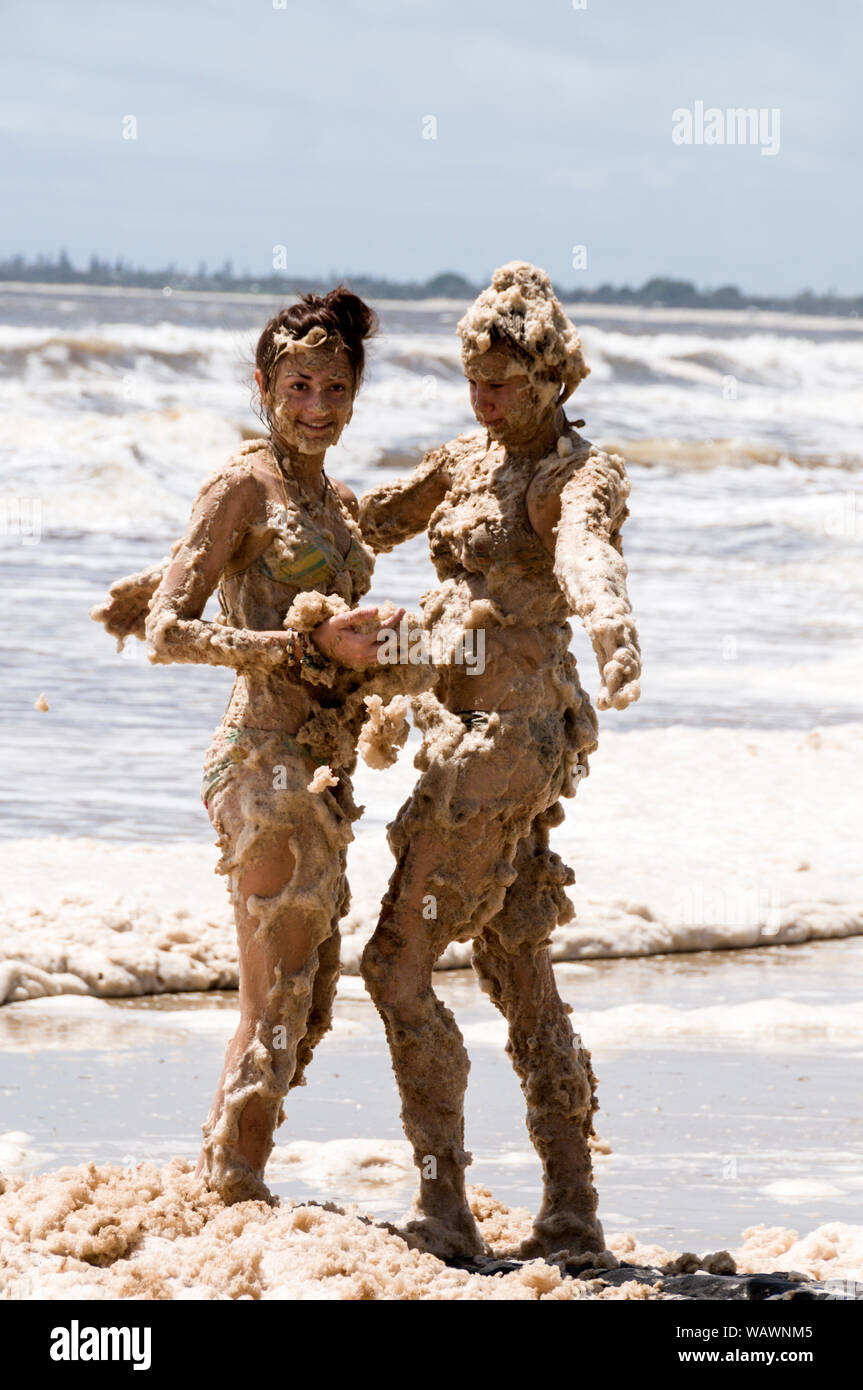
356 317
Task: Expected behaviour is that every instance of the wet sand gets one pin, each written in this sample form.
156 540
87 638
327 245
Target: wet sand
728 1099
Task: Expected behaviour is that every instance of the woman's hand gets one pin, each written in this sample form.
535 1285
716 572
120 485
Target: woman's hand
125 612
351 638
619 660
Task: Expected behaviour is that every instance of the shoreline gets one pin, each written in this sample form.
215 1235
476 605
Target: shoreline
85 915
121 951
726 1093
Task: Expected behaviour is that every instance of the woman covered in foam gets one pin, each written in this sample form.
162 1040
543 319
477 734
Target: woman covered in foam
281 542
524 520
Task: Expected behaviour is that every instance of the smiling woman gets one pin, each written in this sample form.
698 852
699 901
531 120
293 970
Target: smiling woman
282 544
312 397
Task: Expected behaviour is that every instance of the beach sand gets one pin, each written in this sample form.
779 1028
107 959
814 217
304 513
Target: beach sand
147 1233
728 1121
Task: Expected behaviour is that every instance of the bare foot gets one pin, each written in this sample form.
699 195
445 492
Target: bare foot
453 1238
237 1182
562 1235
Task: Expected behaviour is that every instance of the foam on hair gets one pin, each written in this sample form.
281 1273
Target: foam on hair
521 308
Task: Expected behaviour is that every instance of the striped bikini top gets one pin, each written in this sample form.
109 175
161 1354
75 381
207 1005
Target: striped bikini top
302 554
311 559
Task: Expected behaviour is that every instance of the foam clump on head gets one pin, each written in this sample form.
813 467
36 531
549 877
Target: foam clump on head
521 305
286 341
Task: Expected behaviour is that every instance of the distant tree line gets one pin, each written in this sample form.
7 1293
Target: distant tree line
661 291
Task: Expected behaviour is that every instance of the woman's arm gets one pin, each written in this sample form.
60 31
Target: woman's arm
124 612
393 512
174 629
591 571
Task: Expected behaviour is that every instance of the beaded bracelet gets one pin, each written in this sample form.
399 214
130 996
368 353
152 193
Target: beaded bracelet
311 656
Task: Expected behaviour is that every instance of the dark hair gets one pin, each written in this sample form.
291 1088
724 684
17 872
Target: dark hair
340 312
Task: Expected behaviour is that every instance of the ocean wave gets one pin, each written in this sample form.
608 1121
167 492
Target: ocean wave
63 355
776 360
780 361
697 455
730 398
768 1025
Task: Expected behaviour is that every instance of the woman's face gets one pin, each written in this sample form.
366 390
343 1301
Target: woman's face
311 398
508 400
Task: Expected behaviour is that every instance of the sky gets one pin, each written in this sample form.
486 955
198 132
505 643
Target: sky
406 137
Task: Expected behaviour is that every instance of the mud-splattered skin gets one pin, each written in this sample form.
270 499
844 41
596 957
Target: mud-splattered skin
288 890
284 548
522 536
245 530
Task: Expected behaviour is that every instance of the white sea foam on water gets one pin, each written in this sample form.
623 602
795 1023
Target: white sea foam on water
80 917
706 837
18 1155
355 1166
94 412
772 1025
98 1024
800 1189
768 1025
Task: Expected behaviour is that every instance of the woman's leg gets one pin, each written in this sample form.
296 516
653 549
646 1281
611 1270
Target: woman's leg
454 842
320 1017
428 1055
288 889
512 959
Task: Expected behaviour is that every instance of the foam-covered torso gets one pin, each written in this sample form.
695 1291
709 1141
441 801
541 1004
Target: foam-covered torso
292 565
294 552
497 574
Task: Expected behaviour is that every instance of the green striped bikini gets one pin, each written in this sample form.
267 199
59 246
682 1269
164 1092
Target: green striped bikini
301 557
232 745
